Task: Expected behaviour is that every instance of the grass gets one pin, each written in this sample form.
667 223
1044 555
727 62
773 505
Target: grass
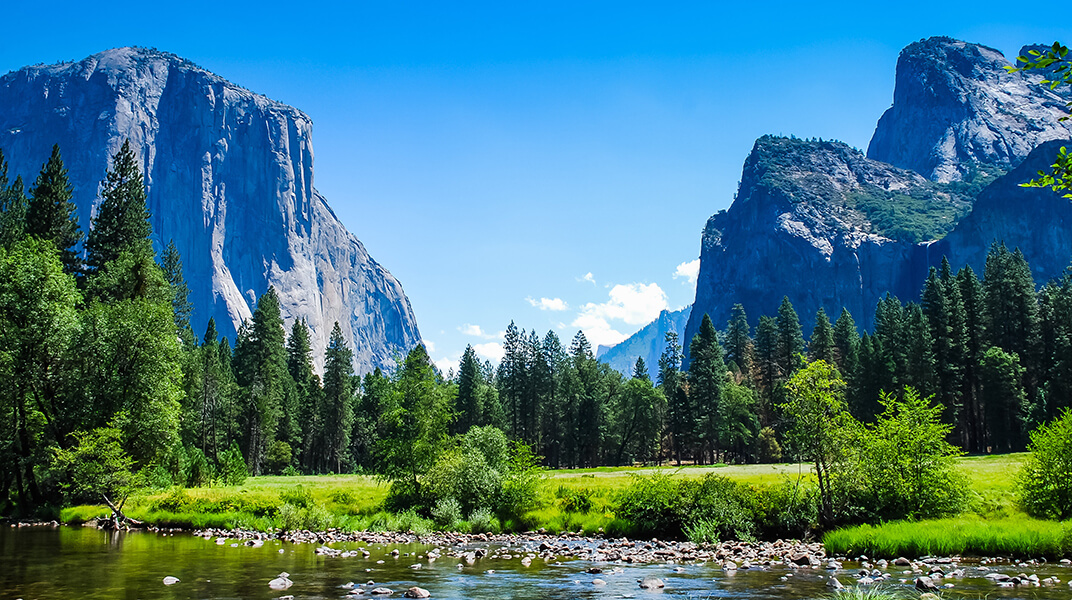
586 499
965 535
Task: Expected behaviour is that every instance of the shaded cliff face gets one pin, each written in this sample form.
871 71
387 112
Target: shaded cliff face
955 105
812 220
1037 221
230 180
648 343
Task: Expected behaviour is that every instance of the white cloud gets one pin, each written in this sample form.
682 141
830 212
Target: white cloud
588 277
477 331
689 270
633 304
445 365
549 303
491 350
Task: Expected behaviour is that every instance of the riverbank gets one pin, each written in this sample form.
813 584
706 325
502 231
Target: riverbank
583 502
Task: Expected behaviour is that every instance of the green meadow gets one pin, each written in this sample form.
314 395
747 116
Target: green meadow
586 500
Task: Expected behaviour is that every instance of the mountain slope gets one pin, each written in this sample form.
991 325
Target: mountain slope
648 343
955 105
230 179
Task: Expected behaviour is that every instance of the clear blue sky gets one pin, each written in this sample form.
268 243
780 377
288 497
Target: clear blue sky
492 156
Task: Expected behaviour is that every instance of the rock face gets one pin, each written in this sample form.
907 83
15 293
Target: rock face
230 180
1037 221
798 228
955 105
819 222
648 343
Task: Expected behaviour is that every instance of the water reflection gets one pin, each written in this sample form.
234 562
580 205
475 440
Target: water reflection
78 562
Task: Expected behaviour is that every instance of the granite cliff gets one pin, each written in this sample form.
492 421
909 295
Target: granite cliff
648 343
829 227
230 180
955 105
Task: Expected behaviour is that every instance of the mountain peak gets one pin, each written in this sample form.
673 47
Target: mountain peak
950 111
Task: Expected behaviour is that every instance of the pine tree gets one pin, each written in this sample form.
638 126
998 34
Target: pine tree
679 415
51 215
640 370
821 344
467 404
306 387
920 367
707 377
553 430
738 341
13 207
122 221
180 300
338 398
790 338
769 373
846 345
260 359
1012 309
889 344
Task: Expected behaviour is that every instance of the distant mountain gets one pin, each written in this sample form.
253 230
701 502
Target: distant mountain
828 227
230 180
648 343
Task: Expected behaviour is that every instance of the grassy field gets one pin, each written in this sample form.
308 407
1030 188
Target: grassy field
991 522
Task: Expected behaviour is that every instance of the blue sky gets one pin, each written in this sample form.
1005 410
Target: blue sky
552 165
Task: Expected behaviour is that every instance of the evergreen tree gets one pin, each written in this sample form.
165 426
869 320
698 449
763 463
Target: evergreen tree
180 299
821 344
310 411
1012 308
52 216
338 398
680 417
738 341
790 338
920 368
944 309
707 377
470 380
769 374
554 429
13 207
846 344
640 370
889 344
122 221
1002 395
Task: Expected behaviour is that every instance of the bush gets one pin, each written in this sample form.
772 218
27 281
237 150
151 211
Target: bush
298 496
233 469
652 505
571 500
482 521
199 472
313 517
290 471
703 532
721 505
789 510
447 512
769 450
278 457
1044 483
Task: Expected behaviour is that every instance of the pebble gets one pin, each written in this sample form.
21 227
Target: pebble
169 580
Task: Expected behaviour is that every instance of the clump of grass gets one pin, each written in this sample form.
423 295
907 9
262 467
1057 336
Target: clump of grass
868 593
965 535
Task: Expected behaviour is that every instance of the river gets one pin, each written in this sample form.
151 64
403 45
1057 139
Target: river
81 562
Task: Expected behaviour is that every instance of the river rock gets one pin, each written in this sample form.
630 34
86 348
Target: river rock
416 592
169 580
282 582
382 591
834 583
598 581
902 562
926 584
652 583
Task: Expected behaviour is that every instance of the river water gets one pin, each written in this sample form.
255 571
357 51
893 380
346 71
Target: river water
81 562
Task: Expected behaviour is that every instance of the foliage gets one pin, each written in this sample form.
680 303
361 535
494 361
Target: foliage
232 466
97 467
1044 482
1056 61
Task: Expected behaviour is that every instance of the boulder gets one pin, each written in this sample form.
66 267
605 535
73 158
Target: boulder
416 592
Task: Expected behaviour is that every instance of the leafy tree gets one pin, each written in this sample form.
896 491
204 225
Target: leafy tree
97 467
638 416
909 469
817 413
1056 61
122 220
38 321
338 397
1044 482
1002 395
416 425
51 215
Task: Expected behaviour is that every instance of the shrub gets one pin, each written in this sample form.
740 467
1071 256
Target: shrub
199 472
277 457
769 450
651 504
482 521
1044 483
233 469
298 496
572 500
789 510
720 506
446 512
703 532
290 471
